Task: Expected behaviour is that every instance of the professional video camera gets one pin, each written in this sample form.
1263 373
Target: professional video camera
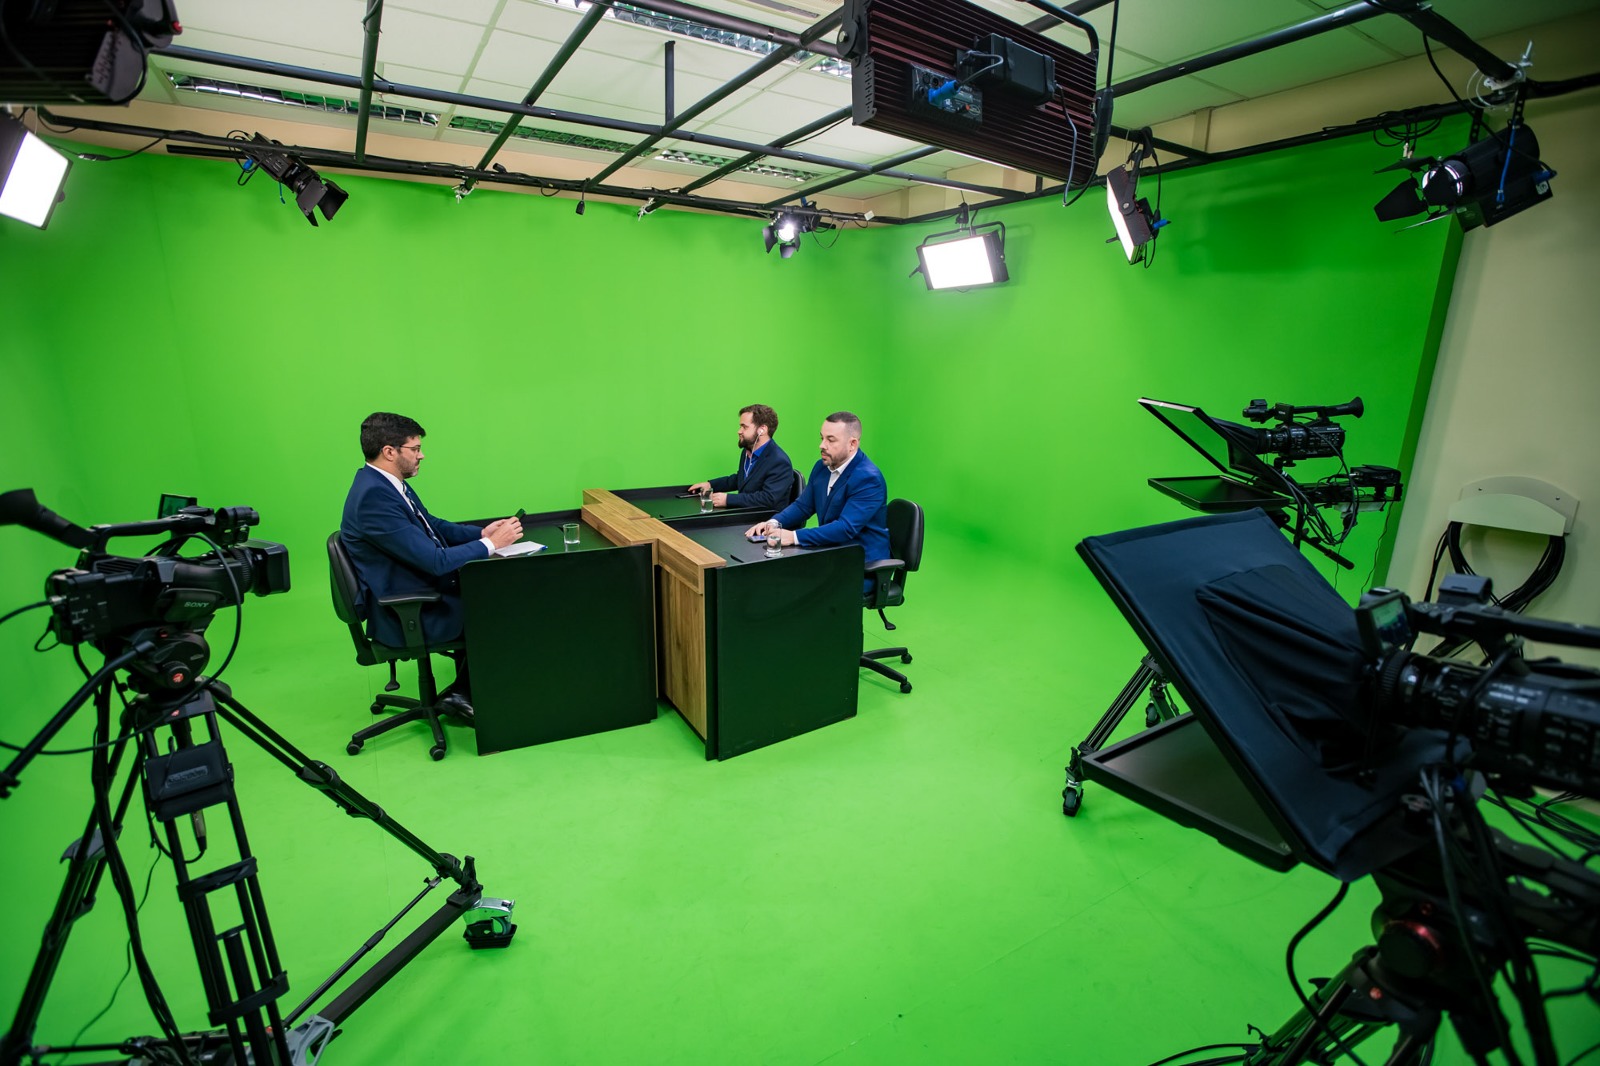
147 616
1315 735
1234 449
1530 723
159 603
1320 438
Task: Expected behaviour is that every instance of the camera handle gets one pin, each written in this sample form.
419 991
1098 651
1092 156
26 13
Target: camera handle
238 966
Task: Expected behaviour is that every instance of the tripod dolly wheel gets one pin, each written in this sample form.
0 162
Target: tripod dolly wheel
1071 800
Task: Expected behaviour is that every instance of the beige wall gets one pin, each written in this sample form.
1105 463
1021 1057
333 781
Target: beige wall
1517 388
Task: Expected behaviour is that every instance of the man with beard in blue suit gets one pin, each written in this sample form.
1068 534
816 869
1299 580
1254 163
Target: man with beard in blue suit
397 547
764 478
846 492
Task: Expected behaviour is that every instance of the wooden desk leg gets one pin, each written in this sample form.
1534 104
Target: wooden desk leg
683 648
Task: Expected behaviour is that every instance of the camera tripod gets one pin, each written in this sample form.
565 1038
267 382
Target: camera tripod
1159 709
1430 962
239 966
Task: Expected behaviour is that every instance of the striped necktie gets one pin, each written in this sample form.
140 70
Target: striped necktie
416 509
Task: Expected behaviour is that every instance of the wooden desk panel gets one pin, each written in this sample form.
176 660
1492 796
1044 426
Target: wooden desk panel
715 620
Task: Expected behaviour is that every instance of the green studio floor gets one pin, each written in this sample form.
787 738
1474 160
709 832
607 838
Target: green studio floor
898 888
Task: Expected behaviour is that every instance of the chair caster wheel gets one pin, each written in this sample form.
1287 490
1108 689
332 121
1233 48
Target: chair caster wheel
377 708
353 748
905 686
437 751
906 657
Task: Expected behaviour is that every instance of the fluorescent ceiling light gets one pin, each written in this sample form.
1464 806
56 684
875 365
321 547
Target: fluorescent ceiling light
962 263
31 173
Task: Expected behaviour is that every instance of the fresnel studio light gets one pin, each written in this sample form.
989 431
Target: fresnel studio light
311 190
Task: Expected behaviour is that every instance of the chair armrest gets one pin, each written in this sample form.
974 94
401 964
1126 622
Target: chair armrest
884 564
409 610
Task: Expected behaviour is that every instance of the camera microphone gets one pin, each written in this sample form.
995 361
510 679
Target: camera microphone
20 507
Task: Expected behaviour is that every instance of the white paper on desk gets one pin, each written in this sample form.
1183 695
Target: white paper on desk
522 547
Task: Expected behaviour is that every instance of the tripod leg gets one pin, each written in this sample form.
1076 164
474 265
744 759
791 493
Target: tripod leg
1072 795
85 859
86 866
239 967
488 919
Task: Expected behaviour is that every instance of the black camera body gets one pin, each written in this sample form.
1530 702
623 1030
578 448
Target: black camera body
108 595
1530 722
1292 441
158 603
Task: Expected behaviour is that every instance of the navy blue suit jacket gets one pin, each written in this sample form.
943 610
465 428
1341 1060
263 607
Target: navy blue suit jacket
768 485
856 512
393 555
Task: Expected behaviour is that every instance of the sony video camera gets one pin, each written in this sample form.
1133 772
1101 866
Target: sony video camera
155 605
1528 722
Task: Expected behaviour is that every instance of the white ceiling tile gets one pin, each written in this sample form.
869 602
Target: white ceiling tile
764 116
428 79
323 25
819 88
474 11
858 144
635 85
418 40
534 19
291 55
514 59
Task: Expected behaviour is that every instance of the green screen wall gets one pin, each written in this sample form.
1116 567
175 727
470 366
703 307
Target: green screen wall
172 332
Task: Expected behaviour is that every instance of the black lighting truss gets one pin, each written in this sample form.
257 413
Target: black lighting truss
787 43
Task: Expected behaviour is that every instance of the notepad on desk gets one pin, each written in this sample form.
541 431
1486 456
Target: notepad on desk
522 547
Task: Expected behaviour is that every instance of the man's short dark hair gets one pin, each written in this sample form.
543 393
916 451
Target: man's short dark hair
382 429
848 420
762 415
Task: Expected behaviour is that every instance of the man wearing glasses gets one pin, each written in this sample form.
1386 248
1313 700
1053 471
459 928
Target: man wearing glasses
397 547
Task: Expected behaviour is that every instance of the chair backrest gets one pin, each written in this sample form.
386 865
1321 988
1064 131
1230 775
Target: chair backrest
798 486
905 532
343 584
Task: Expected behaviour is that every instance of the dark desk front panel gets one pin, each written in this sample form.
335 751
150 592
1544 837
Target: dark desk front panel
783 639
562 643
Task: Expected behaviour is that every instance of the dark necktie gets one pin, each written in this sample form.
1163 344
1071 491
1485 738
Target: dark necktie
416 509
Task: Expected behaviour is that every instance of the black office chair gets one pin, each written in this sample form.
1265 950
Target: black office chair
797 487
889 582
342 580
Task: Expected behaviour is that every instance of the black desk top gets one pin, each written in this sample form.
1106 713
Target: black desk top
666 502
545 528
723 533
